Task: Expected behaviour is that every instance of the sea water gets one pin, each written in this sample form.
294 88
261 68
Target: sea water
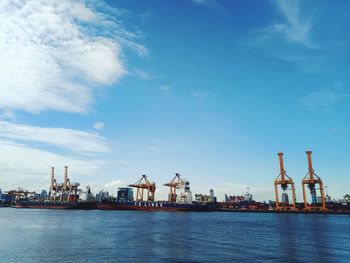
34 235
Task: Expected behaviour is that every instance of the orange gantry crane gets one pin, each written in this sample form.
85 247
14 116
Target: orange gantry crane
69 190
53 186
63 192
284 181
143 184
173 185
311 180
19 194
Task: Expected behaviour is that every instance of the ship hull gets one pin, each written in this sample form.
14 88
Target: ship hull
156 206
57 205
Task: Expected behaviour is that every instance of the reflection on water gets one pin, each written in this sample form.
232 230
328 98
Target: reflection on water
287 234
114 236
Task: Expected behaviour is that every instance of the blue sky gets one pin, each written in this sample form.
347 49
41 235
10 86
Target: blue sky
210 89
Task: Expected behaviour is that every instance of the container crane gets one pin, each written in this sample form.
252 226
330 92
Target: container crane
19 194
143 184
284 181
70 189
311 180
66 191
53 186
65 187
175 183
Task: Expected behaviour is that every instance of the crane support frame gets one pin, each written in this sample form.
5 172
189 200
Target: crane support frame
283 180
174 184
311 180
144 184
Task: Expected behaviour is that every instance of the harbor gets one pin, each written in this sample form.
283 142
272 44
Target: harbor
174 131
66 195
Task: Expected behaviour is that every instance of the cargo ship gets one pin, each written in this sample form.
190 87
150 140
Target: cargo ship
176 203
155 206
83 205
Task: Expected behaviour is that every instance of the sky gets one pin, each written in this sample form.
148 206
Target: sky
209 89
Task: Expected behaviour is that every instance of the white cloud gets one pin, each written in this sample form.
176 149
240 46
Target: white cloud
25 166
152 148
99 125
114 184
309 63
165 89
292 36
292 28
199 94
296 27
144 74
202 95
322 99
334 129
73 140
123 162
53 54
7 115
208 3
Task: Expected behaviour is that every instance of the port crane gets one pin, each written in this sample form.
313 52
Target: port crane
69 190
284 181
53 186
63 192
175 183
19 194
144 184
311 180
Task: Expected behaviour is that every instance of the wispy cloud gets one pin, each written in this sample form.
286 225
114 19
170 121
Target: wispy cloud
99 125
54 53
144 74
294 35
167 90
308 62
209 3
77 141
334 129
7 115
114 184
296 26
202 95
215 5
155 145
324 98
123 162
